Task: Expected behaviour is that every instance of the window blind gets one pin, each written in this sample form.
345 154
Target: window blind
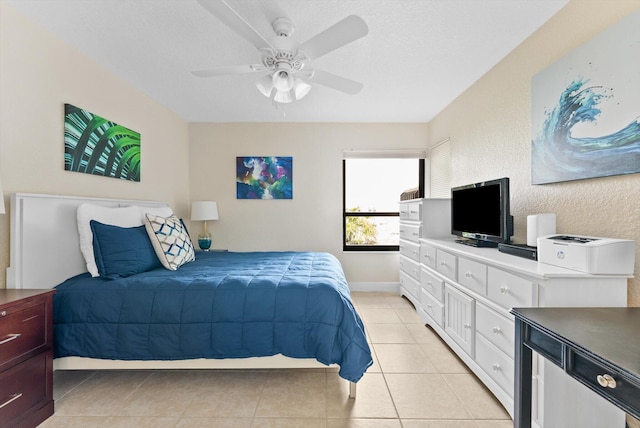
440 158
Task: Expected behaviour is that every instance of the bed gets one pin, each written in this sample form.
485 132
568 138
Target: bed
221 310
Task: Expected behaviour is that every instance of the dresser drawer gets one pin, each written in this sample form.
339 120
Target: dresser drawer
432 285
410 250
410 284
621 390
496 329
22 329
23 389
472 275
428 256
431 306
495 363
446 264
410 231
509 291
411 267
410 210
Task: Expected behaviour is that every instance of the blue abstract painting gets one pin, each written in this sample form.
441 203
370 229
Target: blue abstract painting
264 177
586 109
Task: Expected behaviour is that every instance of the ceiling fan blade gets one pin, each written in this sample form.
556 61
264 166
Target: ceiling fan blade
346 31
336 82
228 69
229 17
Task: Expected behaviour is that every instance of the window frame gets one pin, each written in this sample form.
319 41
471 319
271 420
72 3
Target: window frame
345 214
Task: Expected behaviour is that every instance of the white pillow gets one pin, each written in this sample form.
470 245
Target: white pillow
131 216
170 240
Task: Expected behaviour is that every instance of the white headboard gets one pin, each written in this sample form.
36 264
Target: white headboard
45 248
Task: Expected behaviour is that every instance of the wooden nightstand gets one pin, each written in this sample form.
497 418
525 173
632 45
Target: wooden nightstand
26 357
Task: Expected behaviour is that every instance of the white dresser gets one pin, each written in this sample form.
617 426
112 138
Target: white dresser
419 218
465 293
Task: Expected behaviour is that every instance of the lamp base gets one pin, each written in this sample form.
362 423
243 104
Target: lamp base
204 241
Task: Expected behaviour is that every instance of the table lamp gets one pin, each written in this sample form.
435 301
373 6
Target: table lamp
203 211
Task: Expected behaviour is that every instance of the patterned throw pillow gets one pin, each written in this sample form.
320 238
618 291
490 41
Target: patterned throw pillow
170 240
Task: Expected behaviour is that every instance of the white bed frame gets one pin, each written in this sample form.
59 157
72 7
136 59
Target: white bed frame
45 250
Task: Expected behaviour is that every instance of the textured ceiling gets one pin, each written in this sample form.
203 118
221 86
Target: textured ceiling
418 57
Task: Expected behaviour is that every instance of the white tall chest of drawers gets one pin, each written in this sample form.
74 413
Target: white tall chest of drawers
419 218
465 293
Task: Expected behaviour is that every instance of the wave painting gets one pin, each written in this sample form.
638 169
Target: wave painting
585 109
264 177
557 155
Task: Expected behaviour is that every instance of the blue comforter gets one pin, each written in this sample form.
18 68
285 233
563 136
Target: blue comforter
222 305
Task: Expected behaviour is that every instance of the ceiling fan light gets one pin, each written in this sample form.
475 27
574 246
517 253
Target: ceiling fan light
301 88
265 85
283 97
282 80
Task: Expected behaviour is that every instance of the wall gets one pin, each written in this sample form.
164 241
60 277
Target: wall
38 74
490 130
312 220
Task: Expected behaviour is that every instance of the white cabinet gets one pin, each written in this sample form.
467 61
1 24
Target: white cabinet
419 218
465 294
459 316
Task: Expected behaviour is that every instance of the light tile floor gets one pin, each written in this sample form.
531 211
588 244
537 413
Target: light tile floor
415 382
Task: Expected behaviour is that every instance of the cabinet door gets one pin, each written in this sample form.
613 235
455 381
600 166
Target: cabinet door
459 318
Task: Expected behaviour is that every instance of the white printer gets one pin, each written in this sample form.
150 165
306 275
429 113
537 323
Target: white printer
588 254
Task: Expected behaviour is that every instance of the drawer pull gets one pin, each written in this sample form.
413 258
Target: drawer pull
504 290
413 212
3 313
606 381
496 367
415 233
427 256
10 338
13 398
467 326
497 331
443 263
468 275
429 306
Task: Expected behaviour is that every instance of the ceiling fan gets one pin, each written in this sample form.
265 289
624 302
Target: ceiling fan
285 72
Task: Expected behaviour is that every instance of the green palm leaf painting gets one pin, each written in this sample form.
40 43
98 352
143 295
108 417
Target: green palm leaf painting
94 145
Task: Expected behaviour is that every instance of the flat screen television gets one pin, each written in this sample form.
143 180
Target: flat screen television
480 213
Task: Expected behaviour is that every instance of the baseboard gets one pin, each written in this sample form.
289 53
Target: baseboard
386 287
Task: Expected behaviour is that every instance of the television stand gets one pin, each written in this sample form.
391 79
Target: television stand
477 243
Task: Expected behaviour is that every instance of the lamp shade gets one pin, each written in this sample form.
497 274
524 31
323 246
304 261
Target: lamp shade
204 210
2 211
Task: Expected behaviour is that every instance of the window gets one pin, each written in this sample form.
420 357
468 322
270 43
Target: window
371 191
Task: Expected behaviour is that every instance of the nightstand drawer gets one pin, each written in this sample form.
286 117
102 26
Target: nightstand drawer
22 330
23 388
616 386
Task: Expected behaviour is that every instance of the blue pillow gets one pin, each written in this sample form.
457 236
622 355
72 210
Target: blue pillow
122 251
